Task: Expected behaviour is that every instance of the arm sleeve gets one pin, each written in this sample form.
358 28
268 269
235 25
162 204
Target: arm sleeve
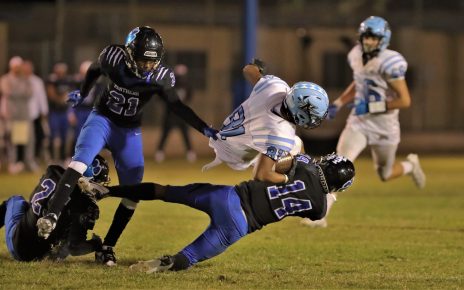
183 111
93 73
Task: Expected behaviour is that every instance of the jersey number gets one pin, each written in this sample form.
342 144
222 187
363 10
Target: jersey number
370 94
290 205
234 127
48 186
117 102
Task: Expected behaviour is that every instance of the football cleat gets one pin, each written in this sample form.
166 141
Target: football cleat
417 174
95 189
106 256
162 264
322 223
46 224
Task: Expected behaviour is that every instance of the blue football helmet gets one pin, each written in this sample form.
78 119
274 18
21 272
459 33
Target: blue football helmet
376 26
308 104
98 171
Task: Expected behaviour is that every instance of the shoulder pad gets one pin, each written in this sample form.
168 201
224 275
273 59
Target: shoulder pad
393 64
111 55
165 76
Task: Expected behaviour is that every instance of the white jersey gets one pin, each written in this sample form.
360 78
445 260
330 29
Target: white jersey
255 127
371 82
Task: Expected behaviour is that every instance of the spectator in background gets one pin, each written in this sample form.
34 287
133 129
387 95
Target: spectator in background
59 84
3 129
17 92
38 112
171 121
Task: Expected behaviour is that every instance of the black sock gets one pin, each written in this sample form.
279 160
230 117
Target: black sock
181 262
2 214
63 191
120 220
141 191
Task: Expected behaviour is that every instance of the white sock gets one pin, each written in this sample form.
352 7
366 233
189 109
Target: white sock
407 167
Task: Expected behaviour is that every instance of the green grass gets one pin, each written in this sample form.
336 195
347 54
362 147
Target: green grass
387 235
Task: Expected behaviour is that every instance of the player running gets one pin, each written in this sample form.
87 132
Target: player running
379 91
134 74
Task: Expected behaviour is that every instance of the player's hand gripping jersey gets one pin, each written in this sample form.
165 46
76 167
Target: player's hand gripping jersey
304 196
255 127
371 82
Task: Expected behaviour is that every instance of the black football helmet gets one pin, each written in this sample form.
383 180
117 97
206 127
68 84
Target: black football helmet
337 172
143 44
98 171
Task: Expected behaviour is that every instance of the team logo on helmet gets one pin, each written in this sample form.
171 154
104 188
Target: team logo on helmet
132 35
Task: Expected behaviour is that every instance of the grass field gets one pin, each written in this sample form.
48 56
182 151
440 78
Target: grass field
379 236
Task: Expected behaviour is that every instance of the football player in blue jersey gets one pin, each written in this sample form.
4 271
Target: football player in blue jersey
19 216
379 91
236 211
134 73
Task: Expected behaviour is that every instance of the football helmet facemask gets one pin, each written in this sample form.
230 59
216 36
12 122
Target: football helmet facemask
307 103
337 172
98 171
144 51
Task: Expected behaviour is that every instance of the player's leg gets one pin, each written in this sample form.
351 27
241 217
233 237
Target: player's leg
16 207
91 140
228 225
126 146
350 144
388 168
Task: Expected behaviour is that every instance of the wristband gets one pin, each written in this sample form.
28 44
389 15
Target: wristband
377 107
286 178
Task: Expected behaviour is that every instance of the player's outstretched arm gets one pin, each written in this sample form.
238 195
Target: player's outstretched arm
187 114
140 191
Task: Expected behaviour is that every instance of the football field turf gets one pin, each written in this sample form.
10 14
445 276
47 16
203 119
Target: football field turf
380 235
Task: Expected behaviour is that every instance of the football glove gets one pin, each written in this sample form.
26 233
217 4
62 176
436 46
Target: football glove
46 224
259 64
332 112
210 132
75 98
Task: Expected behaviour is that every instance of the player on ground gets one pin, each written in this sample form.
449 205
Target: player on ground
262 129
379 91
19 216
236 211
134 74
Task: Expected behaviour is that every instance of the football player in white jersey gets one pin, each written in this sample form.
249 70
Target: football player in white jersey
379 90
262 129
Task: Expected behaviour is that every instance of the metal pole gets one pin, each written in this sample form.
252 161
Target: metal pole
249 44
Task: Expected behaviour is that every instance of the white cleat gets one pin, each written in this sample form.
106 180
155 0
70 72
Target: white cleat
417 173
95 189
322 223
152 266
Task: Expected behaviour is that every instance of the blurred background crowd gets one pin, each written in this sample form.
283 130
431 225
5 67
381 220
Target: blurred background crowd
299 40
